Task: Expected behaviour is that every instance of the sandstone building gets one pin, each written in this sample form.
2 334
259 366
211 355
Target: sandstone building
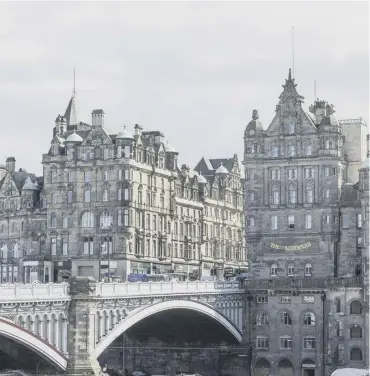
119 204
307 208
22 226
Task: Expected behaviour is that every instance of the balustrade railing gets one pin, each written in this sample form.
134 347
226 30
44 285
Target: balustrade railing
149 288
34 291
303 283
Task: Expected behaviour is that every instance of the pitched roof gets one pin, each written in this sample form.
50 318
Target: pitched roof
70 114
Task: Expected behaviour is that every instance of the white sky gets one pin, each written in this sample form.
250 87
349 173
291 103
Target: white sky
193 70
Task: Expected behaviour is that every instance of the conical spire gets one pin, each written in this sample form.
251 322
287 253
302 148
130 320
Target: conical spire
71 114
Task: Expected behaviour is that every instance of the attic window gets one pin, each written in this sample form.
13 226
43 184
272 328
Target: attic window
291 129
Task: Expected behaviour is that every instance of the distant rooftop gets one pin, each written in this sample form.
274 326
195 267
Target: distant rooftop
352 121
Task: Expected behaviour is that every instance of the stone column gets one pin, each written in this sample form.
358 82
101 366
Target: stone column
82 311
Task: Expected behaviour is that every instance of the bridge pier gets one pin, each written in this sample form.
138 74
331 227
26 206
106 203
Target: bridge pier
81 328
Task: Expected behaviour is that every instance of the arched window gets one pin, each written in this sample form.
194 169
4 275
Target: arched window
274 270
290 270
261 319
87 219
53 220
275 196
327 144
106 175
106 219
356 331
356 308
285 318
356 354
308 318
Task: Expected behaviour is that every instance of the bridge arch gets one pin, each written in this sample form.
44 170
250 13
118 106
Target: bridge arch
20 335
164 306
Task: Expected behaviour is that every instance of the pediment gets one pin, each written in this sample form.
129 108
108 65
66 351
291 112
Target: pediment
8 187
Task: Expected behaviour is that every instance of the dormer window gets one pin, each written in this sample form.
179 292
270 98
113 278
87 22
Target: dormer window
291 150
309 149
255 148
291 129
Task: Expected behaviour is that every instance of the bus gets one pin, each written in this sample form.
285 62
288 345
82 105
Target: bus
350 372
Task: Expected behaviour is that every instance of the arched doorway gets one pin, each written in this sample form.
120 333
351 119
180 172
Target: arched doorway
308 368
285 368
262 368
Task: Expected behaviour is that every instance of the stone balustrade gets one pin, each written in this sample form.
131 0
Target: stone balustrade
34 291
321 283
159 288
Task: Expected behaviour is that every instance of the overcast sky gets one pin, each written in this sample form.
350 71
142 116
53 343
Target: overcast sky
194 70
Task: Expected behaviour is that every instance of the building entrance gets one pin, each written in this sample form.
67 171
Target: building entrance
308 372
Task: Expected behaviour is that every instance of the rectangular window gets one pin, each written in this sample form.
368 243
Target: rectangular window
308 270
275 174
251 174
309 149
65 222
308 221
87 195
292 173
53 246
291 128
126 219
88 246
69 197
285 299
327 193
275 151
290 270
326 219
359 220
127 174
291 221
262 299
274 222
330 171
65 247
53 176
119 174
275 198
250 222
345 221
309 343
359 246
309 173
291 150
309 195
87 176
262 343
70 177
285 342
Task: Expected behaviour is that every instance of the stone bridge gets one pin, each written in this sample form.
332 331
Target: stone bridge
70 325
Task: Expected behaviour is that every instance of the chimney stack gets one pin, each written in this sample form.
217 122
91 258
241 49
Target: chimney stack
97 117
10 164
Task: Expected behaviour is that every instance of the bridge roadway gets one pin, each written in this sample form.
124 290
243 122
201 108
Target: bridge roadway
70 325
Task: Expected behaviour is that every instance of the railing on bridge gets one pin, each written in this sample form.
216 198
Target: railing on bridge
304 283
143 288
34 291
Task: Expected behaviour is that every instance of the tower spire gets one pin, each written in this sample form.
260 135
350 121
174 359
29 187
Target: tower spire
74 83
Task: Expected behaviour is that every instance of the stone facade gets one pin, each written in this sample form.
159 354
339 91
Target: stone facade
120 202
306 201
22 226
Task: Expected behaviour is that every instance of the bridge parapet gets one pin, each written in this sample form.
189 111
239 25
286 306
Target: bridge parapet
165 288
34 292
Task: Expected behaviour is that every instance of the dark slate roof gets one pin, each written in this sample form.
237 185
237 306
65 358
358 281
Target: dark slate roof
82 134
21 176
70 114
349 194
226 162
